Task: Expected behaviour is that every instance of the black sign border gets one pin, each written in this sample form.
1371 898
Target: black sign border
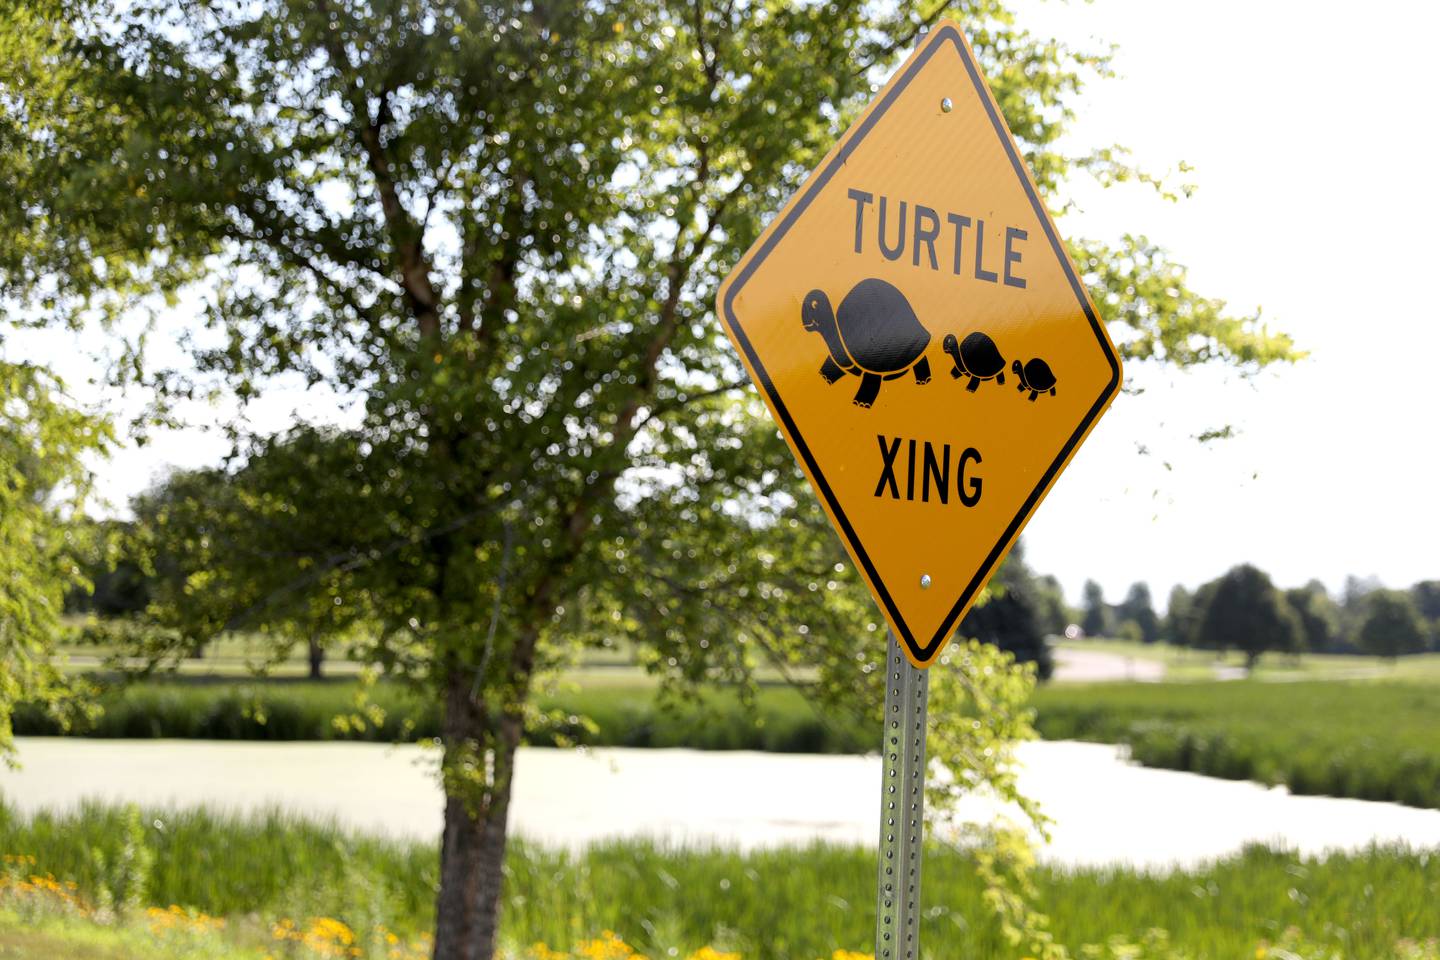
943 32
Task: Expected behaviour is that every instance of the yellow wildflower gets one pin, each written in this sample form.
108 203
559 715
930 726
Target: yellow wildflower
608 947
176 919
710 953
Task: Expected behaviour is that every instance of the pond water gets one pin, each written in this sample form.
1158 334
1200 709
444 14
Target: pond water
1105 809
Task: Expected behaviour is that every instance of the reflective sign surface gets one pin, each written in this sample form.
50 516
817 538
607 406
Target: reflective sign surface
921 336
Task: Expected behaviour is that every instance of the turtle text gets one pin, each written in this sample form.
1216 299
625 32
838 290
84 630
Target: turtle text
918 228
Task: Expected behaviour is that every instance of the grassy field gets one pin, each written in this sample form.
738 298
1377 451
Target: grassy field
33 934
239 655
794 904
1182 664
1374 741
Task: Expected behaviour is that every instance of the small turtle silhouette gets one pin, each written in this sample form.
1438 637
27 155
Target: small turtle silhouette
975 357
1035 376
874 335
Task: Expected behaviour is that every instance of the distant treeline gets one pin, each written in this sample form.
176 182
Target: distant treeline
1244 610
1241 610
130 576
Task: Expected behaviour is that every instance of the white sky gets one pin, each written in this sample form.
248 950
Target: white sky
1312 135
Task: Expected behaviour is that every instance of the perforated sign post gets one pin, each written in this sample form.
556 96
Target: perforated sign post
922 338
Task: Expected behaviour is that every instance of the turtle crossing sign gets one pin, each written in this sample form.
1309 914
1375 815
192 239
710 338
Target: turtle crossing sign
924 341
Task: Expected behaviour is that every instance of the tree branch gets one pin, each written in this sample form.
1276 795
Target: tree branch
903 42
406 236
661 409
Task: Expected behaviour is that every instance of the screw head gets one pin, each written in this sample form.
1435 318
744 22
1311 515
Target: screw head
946 105
925 581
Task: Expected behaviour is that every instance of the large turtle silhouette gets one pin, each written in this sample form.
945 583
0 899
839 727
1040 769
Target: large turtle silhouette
874 335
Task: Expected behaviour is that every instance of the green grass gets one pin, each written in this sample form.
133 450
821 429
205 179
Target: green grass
792 904
625 710
1374 741
239 656
31 937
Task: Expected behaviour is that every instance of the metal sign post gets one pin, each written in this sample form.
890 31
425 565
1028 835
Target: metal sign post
902 807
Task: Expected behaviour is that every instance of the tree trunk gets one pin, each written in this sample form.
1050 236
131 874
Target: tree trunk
472 848
317 659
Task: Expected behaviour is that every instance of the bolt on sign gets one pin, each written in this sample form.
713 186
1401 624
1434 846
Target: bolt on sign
923 340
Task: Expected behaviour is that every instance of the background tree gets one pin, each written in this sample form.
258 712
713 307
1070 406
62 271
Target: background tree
1392 626
1010 617
1204 598
1179 610
1053 612
1426 596
1199 607
1319 616
117 584
1354 608
1096 618
44 483
258 548
1138 609
496 232
1247 613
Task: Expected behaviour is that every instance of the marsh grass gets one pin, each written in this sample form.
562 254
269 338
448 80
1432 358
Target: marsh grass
789 904
1372 740
625 711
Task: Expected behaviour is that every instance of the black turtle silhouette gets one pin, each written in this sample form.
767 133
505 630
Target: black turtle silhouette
975 357
1035 376
874 335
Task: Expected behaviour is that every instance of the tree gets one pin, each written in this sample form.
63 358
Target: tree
1249 614
238 549
115 582
1426 595
1392 626
1098 620
1356 589
1354 607
1179 610
1199 605
1319 617
44 482
1009 618
1054 613
496 230
1137 608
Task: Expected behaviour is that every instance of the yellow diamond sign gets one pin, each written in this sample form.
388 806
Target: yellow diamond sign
923 340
